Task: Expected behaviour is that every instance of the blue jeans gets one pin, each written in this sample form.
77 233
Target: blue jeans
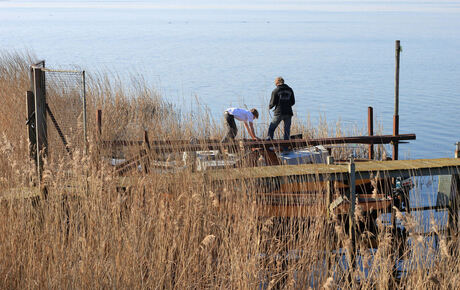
276 121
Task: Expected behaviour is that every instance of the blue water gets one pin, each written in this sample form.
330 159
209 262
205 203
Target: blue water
338 56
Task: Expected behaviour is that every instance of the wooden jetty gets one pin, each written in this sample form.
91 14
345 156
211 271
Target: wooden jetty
363 170
306 179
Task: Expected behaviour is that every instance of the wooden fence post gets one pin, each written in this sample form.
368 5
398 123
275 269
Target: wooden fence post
147 149
370 128
99 125
329 188
40 119
30 109
329 196
351 212
455 198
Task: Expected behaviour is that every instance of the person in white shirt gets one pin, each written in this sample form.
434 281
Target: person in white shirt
245 116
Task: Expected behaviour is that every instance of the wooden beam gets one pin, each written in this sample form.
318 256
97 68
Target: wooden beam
184 145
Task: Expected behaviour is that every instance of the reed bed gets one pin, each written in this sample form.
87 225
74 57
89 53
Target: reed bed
177 231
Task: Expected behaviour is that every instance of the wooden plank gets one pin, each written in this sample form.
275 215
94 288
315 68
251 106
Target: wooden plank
364 170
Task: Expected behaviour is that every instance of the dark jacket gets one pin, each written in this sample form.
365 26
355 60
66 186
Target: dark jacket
283 100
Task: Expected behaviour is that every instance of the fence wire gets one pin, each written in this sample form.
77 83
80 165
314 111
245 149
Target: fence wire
66 116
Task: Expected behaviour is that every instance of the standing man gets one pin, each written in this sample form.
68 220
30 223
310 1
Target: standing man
282 100
245 116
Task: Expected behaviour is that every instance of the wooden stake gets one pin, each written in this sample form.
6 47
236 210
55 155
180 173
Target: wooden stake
99 124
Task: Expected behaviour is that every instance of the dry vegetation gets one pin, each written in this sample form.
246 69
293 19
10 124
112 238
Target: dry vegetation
169 231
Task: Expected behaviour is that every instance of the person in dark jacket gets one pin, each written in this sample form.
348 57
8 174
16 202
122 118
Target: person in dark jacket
282 100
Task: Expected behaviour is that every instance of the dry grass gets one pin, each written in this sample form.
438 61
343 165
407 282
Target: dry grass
169 231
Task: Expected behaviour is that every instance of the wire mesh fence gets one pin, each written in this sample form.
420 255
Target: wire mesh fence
66 112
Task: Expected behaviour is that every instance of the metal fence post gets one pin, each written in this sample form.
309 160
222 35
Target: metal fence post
85 134
396 115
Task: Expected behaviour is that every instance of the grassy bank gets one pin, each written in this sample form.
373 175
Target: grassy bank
170 231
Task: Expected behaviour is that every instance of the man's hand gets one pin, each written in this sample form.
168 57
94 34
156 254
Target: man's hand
250 129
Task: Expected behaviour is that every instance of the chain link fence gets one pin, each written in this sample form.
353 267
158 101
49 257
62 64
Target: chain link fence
66 112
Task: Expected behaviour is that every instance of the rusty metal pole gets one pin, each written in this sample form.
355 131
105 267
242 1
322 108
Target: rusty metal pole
396 115
370 128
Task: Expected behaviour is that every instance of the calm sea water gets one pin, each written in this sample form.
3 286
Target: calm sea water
337 56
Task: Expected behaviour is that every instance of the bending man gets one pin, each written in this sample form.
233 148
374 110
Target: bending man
282 100
245 116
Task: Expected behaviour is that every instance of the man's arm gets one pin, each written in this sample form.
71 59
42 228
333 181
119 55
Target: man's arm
273 100
250 129
292 98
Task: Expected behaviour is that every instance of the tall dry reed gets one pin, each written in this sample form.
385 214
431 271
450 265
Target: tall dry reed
175 231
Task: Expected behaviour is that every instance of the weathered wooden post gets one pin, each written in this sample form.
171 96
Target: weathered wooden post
30 109
147 149
370 128
329 196
99 124
329 188
41 132
455 198
146 139
351 212
396 115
